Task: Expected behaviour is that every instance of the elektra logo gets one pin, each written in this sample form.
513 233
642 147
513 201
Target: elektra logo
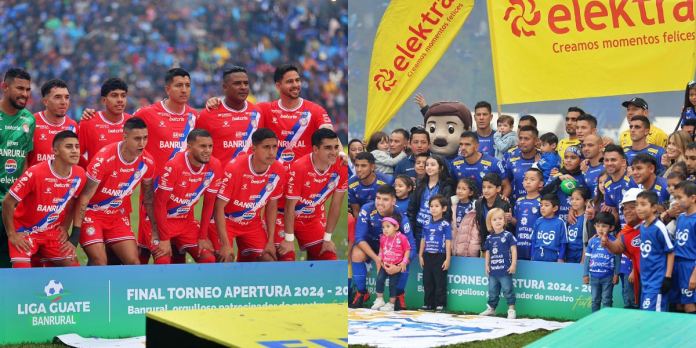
522 19
384 80
579 15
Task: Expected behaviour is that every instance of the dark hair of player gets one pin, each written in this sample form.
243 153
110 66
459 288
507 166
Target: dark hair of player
483 104
51 84
650 196
365 156
232 70
386 190
134 123
532 129
16 73
551 198
644 120
589 118
470 135
321 134
63 135
615 148
529 118
282 70
576 109
197 133
113 84
419 130
262 134
174 72
645 159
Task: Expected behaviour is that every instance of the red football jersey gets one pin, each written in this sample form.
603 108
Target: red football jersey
43 137
231 129
117 179
166 130
187 186
246 192
312 188
43 196
294 128
98 132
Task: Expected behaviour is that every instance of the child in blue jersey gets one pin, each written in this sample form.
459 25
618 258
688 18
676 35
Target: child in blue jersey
578 202
550 159
571 170
434 255
526 212
549 238
656 255
601 268
501 263
685 248
403 184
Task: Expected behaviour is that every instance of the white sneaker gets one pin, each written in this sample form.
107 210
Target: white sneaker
512 314
379 302
388 307
489 311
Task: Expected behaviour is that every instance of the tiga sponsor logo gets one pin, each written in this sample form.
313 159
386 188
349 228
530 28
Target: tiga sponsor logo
564 17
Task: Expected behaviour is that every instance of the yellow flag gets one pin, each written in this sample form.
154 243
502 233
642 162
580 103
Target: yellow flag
552 50
410 39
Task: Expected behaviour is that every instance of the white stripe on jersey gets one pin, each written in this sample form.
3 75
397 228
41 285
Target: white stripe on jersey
661 226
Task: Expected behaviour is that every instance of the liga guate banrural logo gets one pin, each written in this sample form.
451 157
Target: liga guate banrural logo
52 308
521 18
579 16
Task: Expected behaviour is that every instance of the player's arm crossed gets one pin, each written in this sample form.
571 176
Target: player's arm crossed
226 251
81 208
148 191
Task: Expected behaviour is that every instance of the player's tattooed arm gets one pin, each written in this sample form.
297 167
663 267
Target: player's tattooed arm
271 214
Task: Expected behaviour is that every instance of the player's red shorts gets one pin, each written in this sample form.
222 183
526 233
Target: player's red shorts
310 236
183 234
250 243
280 236
46 245
104 228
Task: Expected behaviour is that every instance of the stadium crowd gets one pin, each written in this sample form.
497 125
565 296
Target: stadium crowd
86 42
519 195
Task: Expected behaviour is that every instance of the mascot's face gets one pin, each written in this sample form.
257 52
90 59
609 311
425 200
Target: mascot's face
444 134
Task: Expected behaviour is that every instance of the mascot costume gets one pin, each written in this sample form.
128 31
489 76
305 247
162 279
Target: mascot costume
445 122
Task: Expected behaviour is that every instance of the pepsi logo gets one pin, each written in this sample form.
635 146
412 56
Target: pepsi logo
10 166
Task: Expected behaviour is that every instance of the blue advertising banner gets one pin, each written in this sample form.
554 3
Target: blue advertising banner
38 304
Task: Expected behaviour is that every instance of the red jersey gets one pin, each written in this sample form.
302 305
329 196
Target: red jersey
246 192
187 186
166 130
43 137
294 128
231 129
630 236
43 195
98 132
117 179
312 188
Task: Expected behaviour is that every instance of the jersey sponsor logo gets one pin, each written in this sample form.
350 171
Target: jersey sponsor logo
169 144
287 155
41 157
25 128
547 237
645 248
682 237
10 166
46 208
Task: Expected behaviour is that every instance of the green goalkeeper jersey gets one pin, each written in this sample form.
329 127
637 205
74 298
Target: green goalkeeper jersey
16 141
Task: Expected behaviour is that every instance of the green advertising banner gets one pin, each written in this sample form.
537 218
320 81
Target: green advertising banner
111 302
543 289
